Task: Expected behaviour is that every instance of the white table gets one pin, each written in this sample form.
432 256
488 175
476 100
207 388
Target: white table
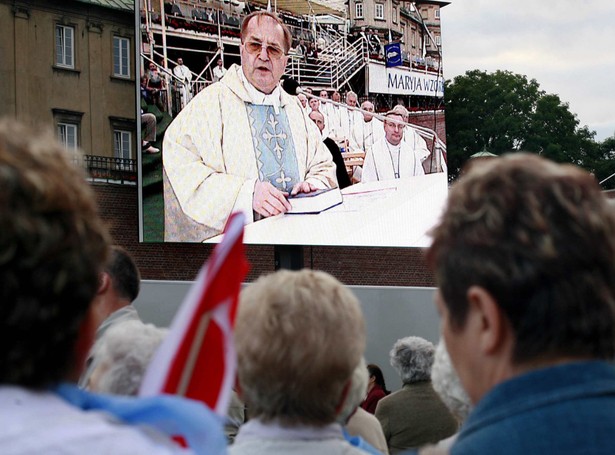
393 213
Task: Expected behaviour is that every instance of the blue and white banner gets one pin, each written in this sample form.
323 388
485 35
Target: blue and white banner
392 52
403 81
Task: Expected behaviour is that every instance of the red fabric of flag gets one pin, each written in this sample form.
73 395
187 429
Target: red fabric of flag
197 360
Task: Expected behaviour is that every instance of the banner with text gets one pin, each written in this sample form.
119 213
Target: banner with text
402 81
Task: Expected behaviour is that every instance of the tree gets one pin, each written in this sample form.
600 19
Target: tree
602 163
504 112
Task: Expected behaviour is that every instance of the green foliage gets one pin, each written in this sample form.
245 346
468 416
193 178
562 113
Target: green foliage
602 162
503 112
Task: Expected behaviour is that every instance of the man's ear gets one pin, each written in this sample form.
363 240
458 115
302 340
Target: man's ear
493 329
104 281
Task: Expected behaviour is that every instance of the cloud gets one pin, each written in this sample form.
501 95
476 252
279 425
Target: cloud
565 45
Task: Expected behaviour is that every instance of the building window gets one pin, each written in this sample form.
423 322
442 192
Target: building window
122 144
413 38
121 57
68 127
68 134
395 15
358 9
124 133
438 41
437 13
65 46
379 13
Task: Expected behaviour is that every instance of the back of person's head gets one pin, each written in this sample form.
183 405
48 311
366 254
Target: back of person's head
299 336
539 237
53 245
375 372
122 356
356 392
412 358
124 273
447 385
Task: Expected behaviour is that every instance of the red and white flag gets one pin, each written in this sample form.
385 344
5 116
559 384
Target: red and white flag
197 359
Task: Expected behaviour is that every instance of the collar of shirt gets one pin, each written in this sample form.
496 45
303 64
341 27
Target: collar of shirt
393 148
258 97
255 428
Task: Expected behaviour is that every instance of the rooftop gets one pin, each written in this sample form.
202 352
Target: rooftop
123 5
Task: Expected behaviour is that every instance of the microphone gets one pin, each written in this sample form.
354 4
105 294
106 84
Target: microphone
291 86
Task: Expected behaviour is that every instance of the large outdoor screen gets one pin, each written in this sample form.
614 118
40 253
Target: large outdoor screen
204 148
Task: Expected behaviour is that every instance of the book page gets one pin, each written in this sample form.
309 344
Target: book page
355 202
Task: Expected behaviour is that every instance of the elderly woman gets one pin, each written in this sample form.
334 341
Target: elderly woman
447 385
299 337
122 356
414 415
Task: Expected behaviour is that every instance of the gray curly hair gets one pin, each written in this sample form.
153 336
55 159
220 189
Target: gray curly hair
123 354
447 385
412 358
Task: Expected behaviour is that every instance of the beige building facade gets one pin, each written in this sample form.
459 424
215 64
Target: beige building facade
70 65
407 21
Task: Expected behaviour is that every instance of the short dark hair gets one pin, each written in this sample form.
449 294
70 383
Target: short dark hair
260 14
53 245
124 273
540 238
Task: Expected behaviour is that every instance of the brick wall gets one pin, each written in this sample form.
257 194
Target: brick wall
432 121
176 261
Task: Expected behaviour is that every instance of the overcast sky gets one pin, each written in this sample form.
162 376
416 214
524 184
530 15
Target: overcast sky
567 46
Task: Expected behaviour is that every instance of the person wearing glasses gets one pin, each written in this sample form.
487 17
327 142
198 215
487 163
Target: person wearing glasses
242 144
391 157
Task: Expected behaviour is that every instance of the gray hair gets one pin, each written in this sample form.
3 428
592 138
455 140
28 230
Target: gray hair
412 358
299 336
447 385
123 354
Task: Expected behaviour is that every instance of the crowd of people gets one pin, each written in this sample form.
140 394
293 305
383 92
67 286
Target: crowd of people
523 257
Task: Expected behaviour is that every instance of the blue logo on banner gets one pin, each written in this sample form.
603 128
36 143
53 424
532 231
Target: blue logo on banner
392 52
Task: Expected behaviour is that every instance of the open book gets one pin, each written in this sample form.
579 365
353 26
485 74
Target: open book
316 201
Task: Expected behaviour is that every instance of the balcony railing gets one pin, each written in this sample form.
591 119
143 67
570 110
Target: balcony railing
119 171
